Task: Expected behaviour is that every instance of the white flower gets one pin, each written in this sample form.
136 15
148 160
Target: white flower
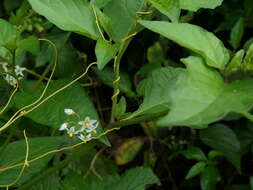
11 80
63 127
85 138
69 111
71 132
91 128
87 122
19 72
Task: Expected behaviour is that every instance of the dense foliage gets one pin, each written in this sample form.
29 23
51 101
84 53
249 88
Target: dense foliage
126 94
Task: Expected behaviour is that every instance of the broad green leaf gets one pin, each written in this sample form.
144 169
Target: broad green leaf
107 77
51 113
7 34
68 63
128 150
136 179
123 16
223 139
194 38
237 33
194 5
30 44
105 52
170 8
201 96
156 96
194 153
70 15
15 152
196 170
209 177
133 179
245 136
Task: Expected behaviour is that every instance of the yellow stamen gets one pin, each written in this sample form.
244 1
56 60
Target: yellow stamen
71 134
94 131
86 123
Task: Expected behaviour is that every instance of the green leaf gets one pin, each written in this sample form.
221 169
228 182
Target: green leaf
100 3
68 63
194 5
209 177
223 139
30 44
236 62
201 96
156 97
194 38
170 8
194 153
133 179
121 107
128 150
8 34
70 15
248 61
122 14
105 52
214 154
196 170
51 113
137 179
107 77
237 33
15 152
5 53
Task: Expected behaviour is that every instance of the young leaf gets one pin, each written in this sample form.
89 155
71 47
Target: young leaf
70 15
170 8
236 62
194 153
196 170
237 33
15 152
194 38
223 139
30 44
121 107
209 177
51 113
194 5
105 52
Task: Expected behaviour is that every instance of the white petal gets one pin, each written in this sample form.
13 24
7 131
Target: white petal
64 126
69 111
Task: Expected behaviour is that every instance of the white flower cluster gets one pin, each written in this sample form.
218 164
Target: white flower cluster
10 78
82 129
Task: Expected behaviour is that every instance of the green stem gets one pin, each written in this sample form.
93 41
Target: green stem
117 77
136 120
52 170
